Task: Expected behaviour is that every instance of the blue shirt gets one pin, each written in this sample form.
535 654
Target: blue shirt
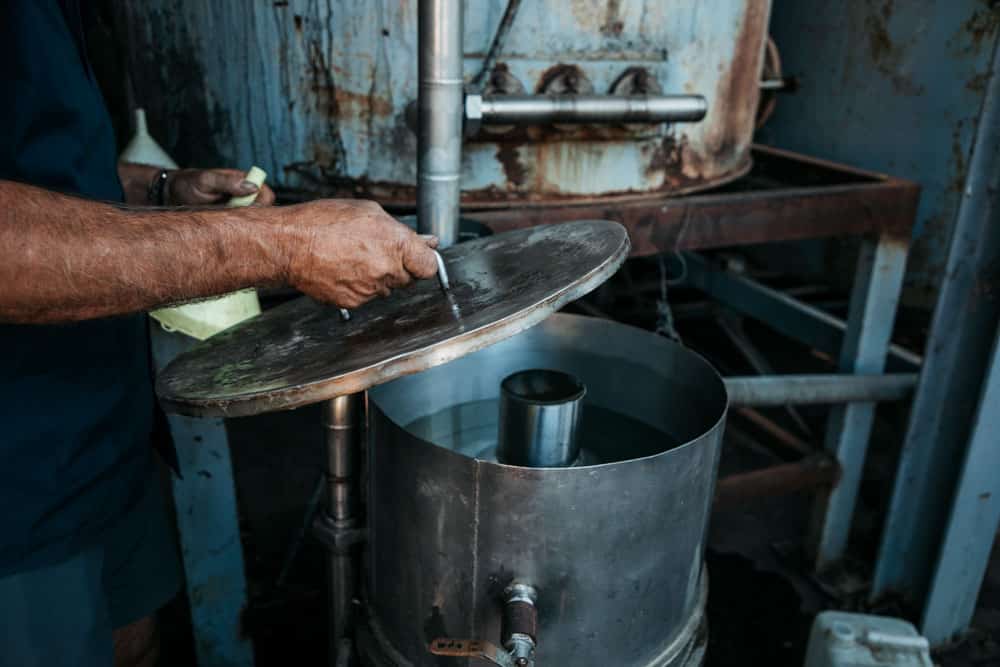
76 402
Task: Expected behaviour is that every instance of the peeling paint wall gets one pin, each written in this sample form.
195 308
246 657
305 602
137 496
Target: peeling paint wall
316 92
891 86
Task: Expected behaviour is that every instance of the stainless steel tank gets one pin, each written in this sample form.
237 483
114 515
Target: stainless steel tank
317 93
613 545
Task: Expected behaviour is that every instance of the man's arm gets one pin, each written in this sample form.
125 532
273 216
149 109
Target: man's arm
63 258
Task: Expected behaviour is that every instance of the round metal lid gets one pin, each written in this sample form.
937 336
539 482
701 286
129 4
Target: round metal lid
303 352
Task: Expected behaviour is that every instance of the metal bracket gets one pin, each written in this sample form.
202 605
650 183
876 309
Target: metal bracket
472 648
336 536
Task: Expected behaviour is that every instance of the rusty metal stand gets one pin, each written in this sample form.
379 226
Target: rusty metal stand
787 197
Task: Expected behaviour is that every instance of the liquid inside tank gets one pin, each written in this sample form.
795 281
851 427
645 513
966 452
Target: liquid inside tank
613 543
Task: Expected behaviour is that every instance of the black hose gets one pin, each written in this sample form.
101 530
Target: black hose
479 82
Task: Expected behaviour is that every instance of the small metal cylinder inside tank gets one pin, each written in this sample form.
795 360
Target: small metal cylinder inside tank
539 419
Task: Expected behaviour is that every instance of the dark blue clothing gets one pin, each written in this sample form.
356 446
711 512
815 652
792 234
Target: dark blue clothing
76 401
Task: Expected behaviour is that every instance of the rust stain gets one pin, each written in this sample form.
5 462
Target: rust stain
509 159
887 56
958 154
613 25
331 155
977 84
879 42
732 115
982 25
353 103
680 167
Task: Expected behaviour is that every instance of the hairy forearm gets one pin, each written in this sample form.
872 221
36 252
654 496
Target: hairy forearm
64 259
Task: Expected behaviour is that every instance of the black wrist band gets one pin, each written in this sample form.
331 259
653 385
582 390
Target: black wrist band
156 194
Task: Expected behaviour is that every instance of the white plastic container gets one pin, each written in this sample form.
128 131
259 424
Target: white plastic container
841 639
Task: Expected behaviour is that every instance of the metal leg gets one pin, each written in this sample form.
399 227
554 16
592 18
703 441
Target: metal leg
957 354
972 524
874 298
208 526
343 418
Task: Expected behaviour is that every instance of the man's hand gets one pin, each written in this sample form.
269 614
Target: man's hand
350 251
205 187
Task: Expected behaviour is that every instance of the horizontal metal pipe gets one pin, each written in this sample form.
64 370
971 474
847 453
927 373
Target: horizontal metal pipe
812 472
818 389
545 109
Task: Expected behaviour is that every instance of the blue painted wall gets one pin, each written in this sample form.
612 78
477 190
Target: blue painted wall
894 86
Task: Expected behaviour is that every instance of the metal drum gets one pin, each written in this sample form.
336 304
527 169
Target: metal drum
613 544
318 93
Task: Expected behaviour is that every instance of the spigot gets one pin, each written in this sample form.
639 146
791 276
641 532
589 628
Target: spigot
519 633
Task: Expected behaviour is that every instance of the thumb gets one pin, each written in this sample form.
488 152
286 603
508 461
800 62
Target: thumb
418 259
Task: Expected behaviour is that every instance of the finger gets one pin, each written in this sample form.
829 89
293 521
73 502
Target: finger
348 299
265 197
399 278
431 240
231 182
419 260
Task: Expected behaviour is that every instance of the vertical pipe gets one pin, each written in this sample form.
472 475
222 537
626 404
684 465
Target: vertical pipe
342 419
439 103
539 419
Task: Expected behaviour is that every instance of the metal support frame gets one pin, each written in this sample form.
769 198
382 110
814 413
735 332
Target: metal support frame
204 497
337 528
937 443
972 523
877 286
798 320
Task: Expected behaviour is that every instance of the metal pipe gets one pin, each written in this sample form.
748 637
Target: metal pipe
342 417
812 472
440 103
519 625
818 389
539 419
607 109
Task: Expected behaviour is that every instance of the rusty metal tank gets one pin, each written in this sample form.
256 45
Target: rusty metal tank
318 93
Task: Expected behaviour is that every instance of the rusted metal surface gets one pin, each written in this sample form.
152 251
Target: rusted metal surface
813 472
316 93
470 648
788 197
303 352
893 86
